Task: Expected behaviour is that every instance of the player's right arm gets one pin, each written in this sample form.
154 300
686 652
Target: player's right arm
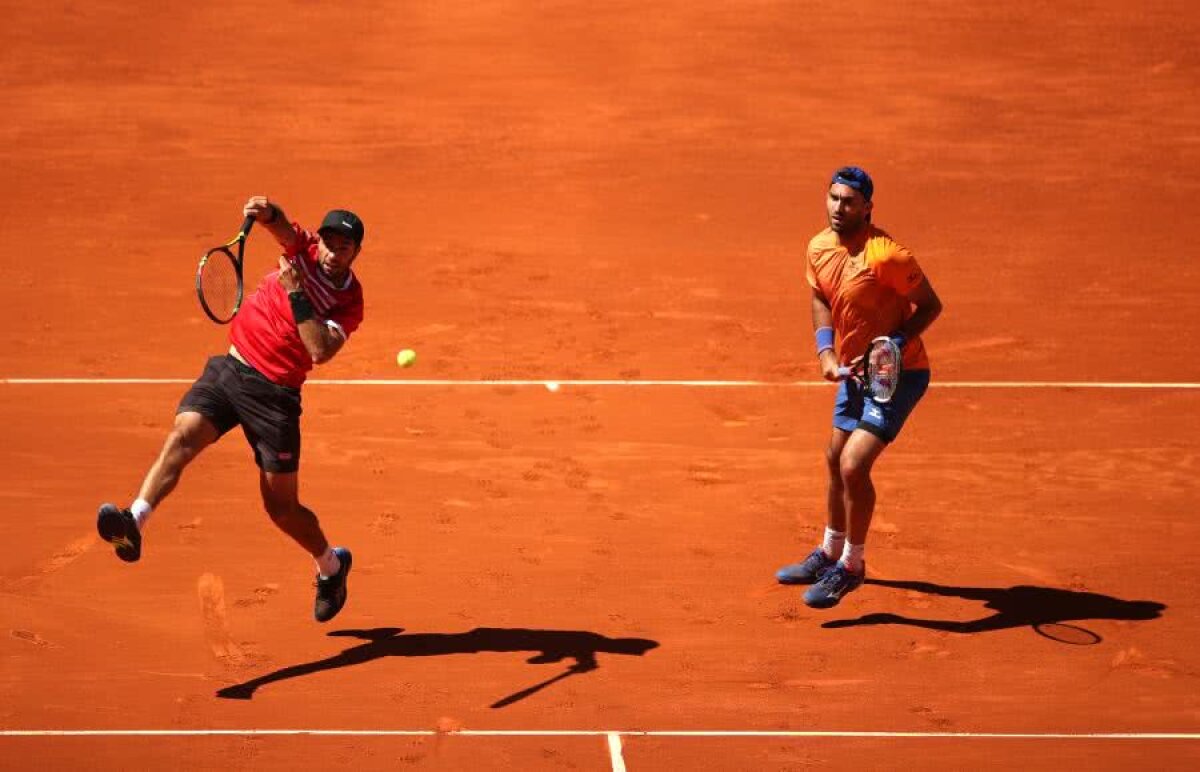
270 216
822 318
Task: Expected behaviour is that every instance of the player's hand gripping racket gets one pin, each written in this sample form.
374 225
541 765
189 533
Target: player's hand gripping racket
878 370
219 277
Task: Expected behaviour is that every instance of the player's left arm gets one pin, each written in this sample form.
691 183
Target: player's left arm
323 338
927 306
901 271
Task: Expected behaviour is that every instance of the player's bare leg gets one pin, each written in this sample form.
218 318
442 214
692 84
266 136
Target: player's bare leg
836 497
855 462
280 493
821 559
858 457
191 434
122 528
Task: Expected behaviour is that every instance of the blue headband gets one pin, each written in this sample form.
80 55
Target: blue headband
854 177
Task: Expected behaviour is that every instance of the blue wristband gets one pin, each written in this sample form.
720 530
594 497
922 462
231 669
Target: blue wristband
824 337
899 339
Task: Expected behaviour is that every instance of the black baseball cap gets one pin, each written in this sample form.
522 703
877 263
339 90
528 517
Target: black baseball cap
344 222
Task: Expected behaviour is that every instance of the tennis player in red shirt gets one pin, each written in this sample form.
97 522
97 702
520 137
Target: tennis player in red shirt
300 315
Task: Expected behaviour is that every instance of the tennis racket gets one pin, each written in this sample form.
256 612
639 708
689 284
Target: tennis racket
878 370
219 277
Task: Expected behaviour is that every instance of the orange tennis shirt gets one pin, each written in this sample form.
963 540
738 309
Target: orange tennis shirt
866 284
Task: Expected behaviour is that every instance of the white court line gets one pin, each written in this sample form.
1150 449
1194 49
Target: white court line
610 733
1166 385
614 752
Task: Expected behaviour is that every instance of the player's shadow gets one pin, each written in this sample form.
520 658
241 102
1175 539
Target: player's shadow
548 646
1049 611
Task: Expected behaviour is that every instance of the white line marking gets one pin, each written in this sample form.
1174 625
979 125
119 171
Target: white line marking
677 383
1064 385
614 752
1191 736
91 381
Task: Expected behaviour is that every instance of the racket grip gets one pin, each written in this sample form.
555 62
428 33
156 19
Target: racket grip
247 224
843 372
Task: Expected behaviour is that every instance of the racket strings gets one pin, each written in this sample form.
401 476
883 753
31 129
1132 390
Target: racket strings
219 286
883 369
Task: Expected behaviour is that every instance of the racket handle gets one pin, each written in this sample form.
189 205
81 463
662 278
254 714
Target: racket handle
843 372
247 224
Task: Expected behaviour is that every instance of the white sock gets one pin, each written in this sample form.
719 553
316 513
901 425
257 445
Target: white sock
141 510
832 544
853 557
328 564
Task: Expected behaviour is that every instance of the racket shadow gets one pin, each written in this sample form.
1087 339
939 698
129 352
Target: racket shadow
579 647
1040 608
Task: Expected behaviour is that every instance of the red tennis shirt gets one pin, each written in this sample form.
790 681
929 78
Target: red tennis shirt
264 330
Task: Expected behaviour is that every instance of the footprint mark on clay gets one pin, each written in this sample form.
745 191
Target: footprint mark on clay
576 477
385 522
706 474
260 596
29 636
64 557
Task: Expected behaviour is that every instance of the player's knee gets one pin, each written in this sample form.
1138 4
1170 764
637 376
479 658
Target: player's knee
184 442
853 471
833 461
191 434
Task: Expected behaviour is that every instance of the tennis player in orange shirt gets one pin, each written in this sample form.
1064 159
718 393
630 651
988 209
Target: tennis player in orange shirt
864 285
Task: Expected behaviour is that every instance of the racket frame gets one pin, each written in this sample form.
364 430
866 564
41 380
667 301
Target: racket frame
223 252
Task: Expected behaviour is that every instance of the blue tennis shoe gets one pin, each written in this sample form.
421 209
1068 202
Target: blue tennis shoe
833 586
806 571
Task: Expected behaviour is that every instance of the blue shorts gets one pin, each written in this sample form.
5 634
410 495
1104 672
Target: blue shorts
851 411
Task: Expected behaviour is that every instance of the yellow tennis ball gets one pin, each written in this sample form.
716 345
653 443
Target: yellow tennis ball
406 357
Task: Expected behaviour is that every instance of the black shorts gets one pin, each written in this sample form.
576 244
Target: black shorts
229 393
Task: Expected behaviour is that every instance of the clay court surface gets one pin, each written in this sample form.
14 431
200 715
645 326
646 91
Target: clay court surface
615 196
